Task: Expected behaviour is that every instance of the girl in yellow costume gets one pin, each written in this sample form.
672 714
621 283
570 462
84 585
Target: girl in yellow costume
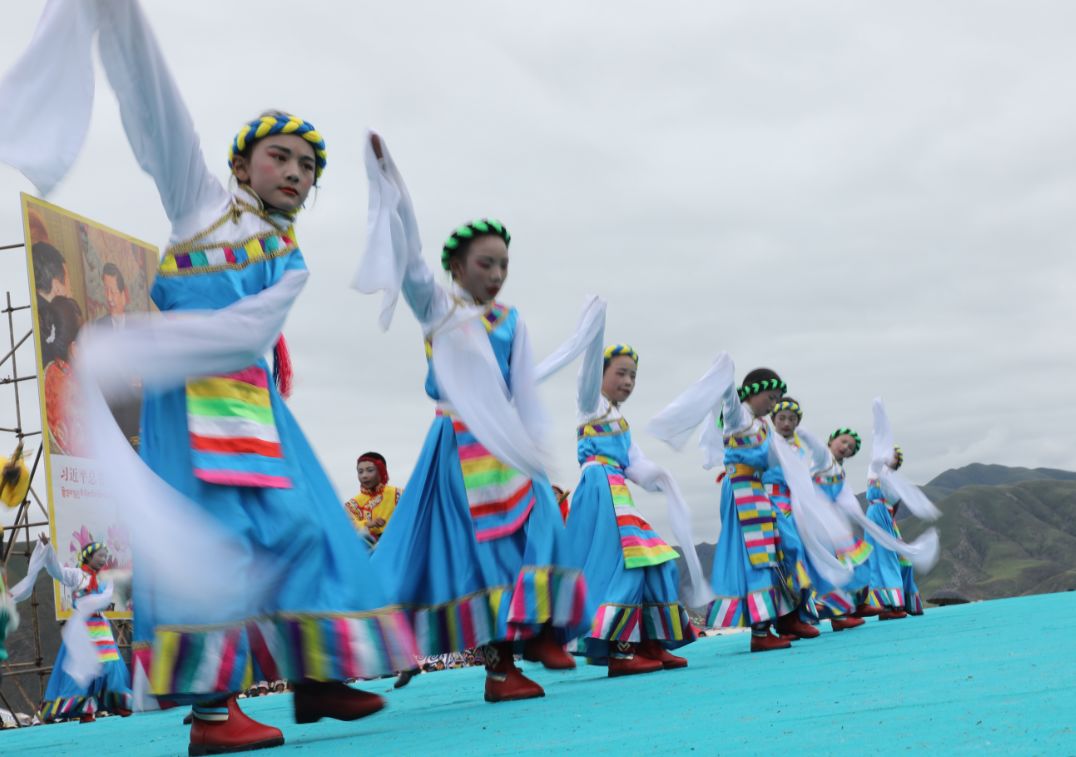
372 507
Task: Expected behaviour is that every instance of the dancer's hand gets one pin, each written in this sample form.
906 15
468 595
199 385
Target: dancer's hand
43 538
375 142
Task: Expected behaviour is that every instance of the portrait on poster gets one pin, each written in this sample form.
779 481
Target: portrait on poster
81 272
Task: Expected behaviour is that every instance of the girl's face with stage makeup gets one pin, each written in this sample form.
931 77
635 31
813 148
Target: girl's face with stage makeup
785 422
843 447
99 559
280 170
618 380
482 268
761 404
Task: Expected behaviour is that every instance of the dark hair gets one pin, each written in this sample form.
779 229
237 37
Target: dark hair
111 269
48 265
761 380
66 318
459 241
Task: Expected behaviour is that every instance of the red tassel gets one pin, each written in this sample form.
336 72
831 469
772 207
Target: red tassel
282 371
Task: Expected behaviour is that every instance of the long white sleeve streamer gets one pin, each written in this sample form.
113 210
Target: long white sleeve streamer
923 552
391 232
653 477
700 401
178 547
591 328
25 587
48 95
823 529
883 449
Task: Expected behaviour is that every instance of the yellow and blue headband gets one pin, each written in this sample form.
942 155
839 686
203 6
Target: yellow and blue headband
788 405
616 350
86 552
268 125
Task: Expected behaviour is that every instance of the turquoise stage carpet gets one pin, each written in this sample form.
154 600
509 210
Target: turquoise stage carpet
992 677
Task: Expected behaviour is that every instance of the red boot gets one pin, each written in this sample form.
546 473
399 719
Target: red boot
768 643
793 626
892 614
866 611
845 622
504 681
625 662
234 733
544 648
315 700
89 717
652 650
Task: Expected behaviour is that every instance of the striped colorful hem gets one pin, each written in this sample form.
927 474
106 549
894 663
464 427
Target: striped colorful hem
834 604
914 604
65 708
888 597
634 623
639 542
543 595
317 646
464 623
757 607
228 255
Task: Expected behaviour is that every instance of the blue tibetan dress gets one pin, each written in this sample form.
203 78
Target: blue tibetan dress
892 578
231 445
109 691
795 564
831 601
475 549
747 576
631 574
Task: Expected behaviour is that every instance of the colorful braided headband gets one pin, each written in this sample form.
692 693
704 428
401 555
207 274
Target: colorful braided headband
788 405
847 432
266 126
758 387
86 552
616 350
469 231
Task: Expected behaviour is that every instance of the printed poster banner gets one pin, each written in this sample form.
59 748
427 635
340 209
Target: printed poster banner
80 272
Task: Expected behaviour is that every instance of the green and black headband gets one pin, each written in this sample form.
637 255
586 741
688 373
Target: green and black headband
765 385
847 432
463 235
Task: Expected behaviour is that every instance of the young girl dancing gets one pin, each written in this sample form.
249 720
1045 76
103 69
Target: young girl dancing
298 599
474 551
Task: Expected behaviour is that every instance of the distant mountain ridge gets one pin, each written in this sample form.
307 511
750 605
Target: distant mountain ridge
1005 531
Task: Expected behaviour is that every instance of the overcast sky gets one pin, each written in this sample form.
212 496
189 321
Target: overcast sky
871 199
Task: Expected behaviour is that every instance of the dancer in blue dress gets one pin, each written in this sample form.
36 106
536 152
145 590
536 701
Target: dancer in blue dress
475 546
298 599
110 690
632 580
795 563
842 605
892 592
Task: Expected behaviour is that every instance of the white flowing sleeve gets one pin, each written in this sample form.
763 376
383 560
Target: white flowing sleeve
923 552
588 339
48 95
158 125
72 578
50 92
25 587
699 402
393 260
653 477
819 458
896 486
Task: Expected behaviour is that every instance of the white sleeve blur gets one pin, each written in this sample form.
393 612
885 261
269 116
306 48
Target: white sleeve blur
158 125
72 578
393 260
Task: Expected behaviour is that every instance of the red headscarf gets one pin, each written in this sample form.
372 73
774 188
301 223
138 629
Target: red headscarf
379 462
